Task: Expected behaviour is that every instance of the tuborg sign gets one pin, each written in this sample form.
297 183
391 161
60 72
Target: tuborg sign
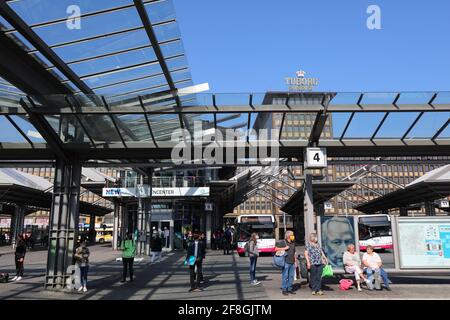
300 83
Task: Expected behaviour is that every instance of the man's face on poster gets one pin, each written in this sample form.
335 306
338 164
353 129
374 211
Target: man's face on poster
339 236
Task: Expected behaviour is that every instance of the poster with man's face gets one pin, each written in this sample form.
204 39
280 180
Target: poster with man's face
337 233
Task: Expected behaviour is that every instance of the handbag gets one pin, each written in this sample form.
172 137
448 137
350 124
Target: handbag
327 271
190 261
279 260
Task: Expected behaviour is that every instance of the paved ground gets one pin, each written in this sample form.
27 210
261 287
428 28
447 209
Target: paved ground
227 278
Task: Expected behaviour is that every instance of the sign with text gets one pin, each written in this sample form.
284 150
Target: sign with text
144 191
424 242
316 158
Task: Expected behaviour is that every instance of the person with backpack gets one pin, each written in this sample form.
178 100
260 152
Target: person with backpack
82 261
253 253
315 261
128 248
19 257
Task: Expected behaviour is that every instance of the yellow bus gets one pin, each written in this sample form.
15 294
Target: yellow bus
104 235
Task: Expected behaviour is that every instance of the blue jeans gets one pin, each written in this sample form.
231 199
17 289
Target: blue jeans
83 275
370 272
253 268
287 276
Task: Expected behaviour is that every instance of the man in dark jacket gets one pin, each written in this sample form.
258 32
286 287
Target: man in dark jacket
156 246
197 249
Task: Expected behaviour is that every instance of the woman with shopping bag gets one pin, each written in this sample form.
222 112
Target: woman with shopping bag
315 261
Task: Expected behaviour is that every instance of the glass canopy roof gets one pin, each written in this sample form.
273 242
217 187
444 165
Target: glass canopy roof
111 51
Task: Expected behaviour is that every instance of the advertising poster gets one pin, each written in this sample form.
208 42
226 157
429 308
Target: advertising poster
424 243
336 234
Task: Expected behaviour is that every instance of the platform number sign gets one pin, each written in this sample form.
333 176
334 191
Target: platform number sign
316 158
445 204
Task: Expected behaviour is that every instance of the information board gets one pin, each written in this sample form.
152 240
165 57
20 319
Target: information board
424 242
316 158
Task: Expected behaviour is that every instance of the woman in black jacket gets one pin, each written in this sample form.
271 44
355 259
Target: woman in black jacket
21 249
196 249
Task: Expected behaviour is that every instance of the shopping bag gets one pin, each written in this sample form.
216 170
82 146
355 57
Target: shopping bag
279 260
190 261
327 271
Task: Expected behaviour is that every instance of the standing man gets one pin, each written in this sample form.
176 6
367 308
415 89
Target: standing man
227 241
196 248
287 277
128 248
167 236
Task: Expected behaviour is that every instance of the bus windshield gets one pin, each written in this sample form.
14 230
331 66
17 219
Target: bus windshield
264 231
367 232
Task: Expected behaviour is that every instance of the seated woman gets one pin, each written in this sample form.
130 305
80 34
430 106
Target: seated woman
373 263
352 264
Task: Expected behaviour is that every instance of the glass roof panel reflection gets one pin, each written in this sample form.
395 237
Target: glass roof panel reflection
9 133
396 124
90 26
345 98
428 125
363 125
160 11
137 124
114 62
28 129
445 134
39 11
100 128
377 98
164 125
414 98
338 122
132 85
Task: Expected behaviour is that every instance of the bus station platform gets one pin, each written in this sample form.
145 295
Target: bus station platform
226 277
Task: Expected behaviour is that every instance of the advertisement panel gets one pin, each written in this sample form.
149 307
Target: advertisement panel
336 234
424 242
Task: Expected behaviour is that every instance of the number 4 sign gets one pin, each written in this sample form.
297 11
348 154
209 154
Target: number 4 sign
316 158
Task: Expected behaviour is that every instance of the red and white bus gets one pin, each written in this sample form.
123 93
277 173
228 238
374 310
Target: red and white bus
375 230
263 225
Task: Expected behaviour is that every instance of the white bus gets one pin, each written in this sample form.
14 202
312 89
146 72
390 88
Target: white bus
262 224
375 230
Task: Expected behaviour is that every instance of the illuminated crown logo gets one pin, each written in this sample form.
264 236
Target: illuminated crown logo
300 73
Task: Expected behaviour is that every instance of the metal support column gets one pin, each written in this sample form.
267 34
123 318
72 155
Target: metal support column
308 206
430 209
403 211
116 224
63 223
17 222
92 229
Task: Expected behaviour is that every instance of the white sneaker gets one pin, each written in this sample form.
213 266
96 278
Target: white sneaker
14 279
79 289
19 278
84 289
256 282
359 289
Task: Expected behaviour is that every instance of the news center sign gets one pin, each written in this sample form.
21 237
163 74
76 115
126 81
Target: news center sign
144 191
315 158
301 83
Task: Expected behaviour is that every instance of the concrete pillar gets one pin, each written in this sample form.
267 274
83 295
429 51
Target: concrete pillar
116 224
430 208
308 206
63 224
403 211
17 221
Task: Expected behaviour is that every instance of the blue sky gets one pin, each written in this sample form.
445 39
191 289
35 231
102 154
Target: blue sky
251 46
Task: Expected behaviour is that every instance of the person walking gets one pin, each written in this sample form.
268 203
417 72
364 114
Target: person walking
253 254
167 237
227 236
128 248
82 261
315 261
287 276
156 246
19 257
197 249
